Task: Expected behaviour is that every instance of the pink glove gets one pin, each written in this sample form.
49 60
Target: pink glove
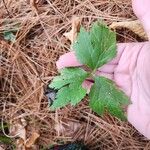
130 70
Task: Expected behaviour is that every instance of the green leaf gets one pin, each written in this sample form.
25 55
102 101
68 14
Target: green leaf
104 95
69 85
77 93
97 47
68 75
62 98
9 36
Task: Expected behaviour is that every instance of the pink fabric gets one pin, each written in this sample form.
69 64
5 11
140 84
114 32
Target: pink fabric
130 70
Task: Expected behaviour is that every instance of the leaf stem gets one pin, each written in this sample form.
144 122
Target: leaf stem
93 73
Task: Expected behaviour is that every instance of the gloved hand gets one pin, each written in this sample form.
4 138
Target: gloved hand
130 70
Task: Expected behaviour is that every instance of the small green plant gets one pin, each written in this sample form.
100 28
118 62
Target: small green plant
9 33
9 36
93 49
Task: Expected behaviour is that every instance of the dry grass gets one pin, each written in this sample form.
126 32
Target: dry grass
29 64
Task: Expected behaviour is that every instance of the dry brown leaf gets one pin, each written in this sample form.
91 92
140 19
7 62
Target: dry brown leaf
74 129
20 144
72 35
134 26
17 128
31 140
69 128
